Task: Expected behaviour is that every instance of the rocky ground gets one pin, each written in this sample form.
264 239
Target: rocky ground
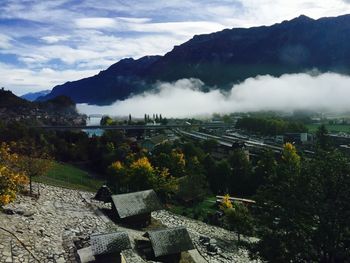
215 244
50 229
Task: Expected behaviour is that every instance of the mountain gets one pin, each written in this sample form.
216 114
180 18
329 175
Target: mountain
117 82
60 110
224 58
8 100
32 96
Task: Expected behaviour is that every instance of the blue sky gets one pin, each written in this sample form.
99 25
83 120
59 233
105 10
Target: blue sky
45 43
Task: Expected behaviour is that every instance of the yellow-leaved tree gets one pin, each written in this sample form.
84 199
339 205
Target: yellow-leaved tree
291 159
12 179
141 175
226 203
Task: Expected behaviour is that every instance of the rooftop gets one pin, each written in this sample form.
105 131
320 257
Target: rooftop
102 244
137 203
170 241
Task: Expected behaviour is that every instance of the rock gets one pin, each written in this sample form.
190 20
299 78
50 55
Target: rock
28 213
212 248
60 260
204 239
85 255
8 211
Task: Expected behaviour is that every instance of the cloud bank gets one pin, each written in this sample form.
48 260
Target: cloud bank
184 98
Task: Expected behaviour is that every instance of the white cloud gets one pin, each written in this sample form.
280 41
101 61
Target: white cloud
5 41
184 98
95 22
22 81
54 39
140 20
188 29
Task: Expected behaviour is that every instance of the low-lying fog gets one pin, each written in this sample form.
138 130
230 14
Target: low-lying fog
183 98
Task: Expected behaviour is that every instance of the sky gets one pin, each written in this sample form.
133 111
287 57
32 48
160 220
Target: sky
46 43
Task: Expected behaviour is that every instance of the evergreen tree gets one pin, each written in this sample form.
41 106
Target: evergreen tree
323 141
239 181
303 211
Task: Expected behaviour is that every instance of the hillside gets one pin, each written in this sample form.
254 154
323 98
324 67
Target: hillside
224 58
57 111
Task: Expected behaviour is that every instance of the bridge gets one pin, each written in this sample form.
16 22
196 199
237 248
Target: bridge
97 115
137 127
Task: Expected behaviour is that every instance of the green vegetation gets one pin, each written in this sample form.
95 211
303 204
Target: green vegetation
302 211
270 125
199 211
68 176
330 127
302 204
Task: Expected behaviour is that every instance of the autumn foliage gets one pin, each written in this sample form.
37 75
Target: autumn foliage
226 203
12 179
140 174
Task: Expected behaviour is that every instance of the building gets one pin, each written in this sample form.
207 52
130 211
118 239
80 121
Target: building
298 138
103 194
167 244
135 208
152 142
107 247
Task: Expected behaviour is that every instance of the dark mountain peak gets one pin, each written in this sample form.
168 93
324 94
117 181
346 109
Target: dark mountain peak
223 58
303 18
130 66
10 100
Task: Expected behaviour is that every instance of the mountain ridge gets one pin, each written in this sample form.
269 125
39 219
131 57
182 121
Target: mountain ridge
224 58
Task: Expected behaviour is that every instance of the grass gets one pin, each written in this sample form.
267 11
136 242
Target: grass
330 127
68 176
200 211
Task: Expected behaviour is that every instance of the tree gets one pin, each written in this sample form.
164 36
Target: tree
323 141
281 214
329 184
266 167
220 183
116 176
194 186
226 203
238 218
33 160
139 174
34 166
12 179
239 181
171 159
106 120
303 212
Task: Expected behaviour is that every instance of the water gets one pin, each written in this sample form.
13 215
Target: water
93 121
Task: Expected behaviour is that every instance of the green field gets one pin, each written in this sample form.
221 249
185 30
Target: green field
334 128
68 176
199 211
